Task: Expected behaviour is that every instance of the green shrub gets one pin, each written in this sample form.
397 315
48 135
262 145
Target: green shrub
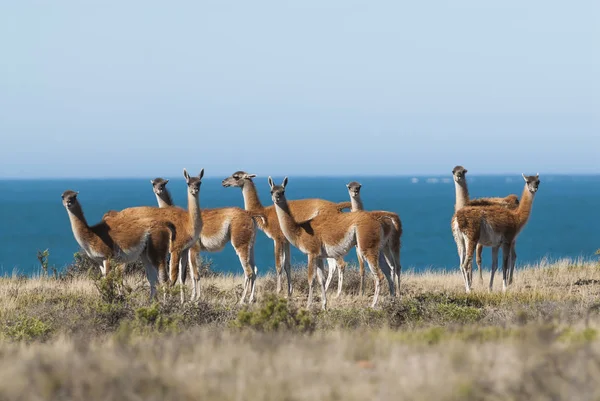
152 318
42 257
148 320
438 308
111 287
452 313
109 314
404 311
26 328
274 314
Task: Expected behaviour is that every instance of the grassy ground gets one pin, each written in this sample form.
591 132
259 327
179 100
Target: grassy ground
75 337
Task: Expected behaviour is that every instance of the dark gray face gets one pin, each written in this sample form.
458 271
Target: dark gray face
278 191
69 198
193 183
533 182
459 173
159 185
354 189
237 179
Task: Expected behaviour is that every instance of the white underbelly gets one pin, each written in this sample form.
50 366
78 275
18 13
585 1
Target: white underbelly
216 242
342 247
488 237
119 254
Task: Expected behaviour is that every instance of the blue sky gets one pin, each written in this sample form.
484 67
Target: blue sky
312 87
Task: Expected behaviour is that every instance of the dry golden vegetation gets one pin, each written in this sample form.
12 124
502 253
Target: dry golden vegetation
76 337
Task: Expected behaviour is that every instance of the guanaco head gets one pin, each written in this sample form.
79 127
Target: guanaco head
278 191
158 185
238 179
459 173
69 198
193 183
353 189
533 181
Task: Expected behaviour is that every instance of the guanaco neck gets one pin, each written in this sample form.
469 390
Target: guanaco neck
525 205
288 224
194 214
357 203
251 200
462 195
78 221
164 199
79 225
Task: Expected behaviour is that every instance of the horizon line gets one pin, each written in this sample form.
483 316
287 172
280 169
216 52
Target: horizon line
440 175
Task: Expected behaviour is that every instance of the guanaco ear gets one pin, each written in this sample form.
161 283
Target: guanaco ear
465 171
186 175
152 182
250 175
201 174
284 183
166 182
271 184
525 178
537 175
348 186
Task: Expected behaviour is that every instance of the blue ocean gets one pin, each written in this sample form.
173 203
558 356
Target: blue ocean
563 221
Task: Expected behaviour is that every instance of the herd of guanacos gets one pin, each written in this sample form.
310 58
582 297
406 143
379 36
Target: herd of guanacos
167 238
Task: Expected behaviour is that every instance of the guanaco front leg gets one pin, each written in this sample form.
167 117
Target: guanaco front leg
372 258
361 271
321 278
495 250
513 261
478 260
341 270
288 267
468 264
312 264
279 262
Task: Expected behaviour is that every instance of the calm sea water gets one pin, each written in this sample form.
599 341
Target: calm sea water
563 222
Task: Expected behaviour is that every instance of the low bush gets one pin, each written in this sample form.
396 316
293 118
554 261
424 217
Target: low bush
274 314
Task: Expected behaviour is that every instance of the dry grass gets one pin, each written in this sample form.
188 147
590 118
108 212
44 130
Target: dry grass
211 365
75 338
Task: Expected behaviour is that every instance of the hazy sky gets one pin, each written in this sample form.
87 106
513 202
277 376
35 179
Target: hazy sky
310 87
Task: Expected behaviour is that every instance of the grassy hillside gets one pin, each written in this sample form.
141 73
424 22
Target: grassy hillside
76 337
